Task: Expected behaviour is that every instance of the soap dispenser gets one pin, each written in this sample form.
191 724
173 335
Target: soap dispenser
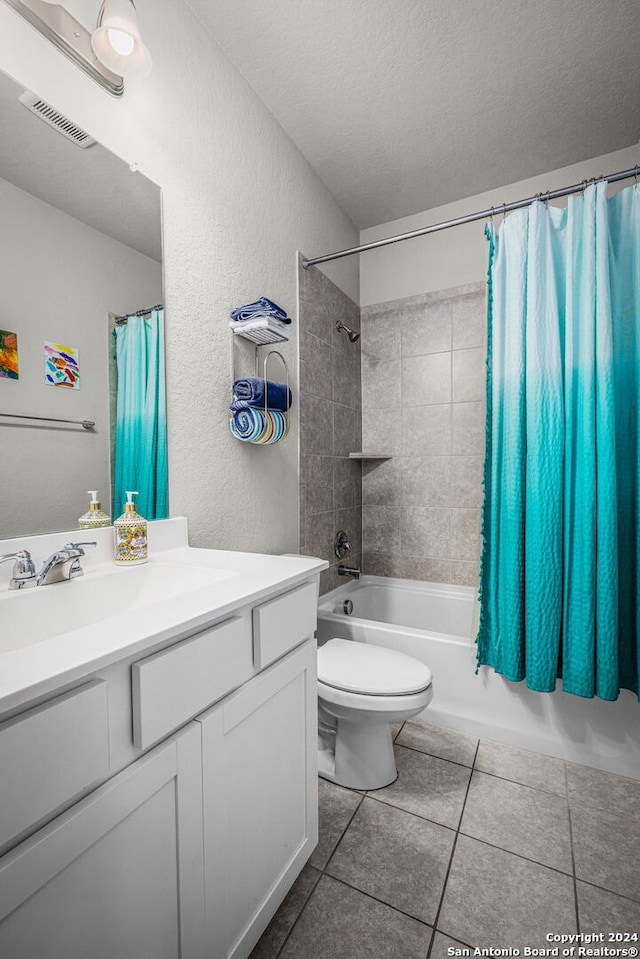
130 532
95 516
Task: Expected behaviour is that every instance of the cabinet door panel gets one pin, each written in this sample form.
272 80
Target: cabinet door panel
111 877
67 742
260 799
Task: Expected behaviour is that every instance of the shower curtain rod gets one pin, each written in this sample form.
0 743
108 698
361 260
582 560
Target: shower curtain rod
482 215
121 320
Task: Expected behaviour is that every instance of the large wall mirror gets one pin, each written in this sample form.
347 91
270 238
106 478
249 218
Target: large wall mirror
80 244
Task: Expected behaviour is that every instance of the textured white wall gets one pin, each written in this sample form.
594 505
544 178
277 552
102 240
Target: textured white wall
59 279
238 201
459 255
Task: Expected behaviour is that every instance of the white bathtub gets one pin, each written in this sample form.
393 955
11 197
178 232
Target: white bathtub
435 623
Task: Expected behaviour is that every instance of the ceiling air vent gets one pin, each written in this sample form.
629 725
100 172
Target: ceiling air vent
56 120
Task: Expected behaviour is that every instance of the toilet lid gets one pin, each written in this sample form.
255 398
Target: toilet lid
371 670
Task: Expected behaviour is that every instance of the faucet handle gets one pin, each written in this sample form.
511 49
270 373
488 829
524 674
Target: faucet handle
75 551
24 571
341 544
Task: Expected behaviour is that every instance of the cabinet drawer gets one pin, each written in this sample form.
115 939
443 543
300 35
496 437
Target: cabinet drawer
50 754
172 686
283 623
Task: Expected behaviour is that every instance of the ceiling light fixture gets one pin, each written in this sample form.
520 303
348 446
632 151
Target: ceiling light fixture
116 40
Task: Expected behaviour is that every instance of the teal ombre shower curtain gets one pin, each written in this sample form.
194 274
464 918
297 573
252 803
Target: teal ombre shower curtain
141 421
561 550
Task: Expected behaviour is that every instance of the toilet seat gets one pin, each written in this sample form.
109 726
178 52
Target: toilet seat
347 666
381 706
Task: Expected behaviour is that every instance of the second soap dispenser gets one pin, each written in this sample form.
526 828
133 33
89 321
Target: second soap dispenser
130 531
95 515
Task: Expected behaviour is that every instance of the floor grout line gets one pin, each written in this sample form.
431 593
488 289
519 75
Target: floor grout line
343 834
424 752
295 922
485 772
510 852
573 859
453 850
410 812
409 915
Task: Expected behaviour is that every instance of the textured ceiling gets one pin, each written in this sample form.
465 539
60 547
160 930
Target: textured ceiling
91 185
402 105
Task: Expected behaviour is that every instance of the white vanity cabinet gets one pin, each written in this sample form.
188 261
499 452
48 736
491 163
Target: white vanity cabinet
260 799
119 874
187 851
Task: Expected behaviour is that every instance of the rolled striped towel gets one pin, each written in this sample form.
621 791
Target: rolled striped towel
257 426
276 428
247 424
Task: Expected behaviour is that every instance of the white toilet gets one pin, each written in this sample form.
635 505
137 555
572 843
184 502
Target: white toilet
362 689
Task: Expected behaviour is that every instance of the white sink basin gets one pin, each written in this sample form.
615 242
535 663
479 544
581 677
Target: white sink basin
32 615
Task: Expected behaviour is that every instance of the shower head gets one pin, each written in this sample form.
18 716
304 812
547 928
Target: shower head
353 335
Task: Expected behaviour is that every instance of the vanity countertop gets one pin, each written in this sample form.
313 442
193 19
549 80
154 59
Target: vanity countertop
181 589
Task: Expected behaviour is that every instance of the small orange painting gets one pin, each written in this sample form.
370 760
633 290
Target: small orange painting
8 355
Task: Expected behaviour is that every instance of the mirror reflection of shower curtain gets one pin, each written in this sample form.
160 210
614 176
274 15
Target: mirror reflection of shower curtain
141 420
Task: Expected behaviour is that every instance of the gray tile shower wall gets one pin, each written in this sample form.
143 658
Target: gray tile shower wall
330 423
423 375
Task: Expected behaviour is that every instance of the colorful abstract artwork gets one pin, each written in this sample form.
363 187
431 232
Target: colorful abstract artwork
61 366
8 355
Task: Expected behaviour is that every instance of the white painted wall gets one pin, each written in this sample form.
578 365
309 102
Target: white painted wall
459 255
238 201
59 279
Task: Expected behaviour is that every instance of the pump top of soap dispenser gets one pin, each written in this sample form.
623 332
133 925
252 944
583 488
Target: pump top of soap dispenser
130 506
95 515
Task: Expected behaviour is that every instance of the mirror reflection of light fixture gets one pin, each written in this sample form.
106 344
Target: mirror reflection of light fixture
116 40
112 52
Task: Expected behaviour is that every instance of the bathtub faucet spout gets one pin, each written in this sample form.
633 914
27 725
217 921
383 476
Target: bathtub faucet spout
349 571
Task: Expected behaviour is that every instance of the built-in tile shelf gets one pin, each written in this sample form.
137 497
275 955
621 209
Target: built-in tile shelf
370 456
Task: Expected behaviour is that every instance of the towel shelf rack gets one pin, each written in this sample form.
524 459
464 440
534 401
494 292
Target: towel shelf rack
259 424
86 424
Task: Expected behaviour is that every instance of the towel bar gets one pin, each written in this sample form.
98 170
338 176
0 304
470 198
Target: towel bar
86 424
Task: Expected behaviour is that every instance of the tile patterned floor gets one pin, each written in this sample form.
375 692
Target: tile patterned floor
476 844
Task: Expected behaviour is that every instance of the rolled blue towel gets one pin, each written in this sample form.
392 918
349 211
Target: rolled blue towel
247 424
256 426
253 391
261 307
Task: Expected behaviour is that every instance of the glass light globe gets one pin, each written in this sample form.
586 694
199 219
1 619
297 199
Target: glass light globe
116 40
123 43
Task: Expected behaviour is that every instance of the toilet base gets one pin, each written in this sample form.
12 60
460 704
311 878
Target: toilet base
362 757
355 746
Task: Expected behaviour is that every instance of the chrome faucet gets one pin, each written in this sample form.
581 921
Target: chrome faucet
349 571
24 572
63 564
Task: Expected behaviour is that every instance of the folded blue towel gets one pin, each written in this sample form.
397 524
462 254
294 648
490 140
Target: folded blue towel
254 391
261 307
